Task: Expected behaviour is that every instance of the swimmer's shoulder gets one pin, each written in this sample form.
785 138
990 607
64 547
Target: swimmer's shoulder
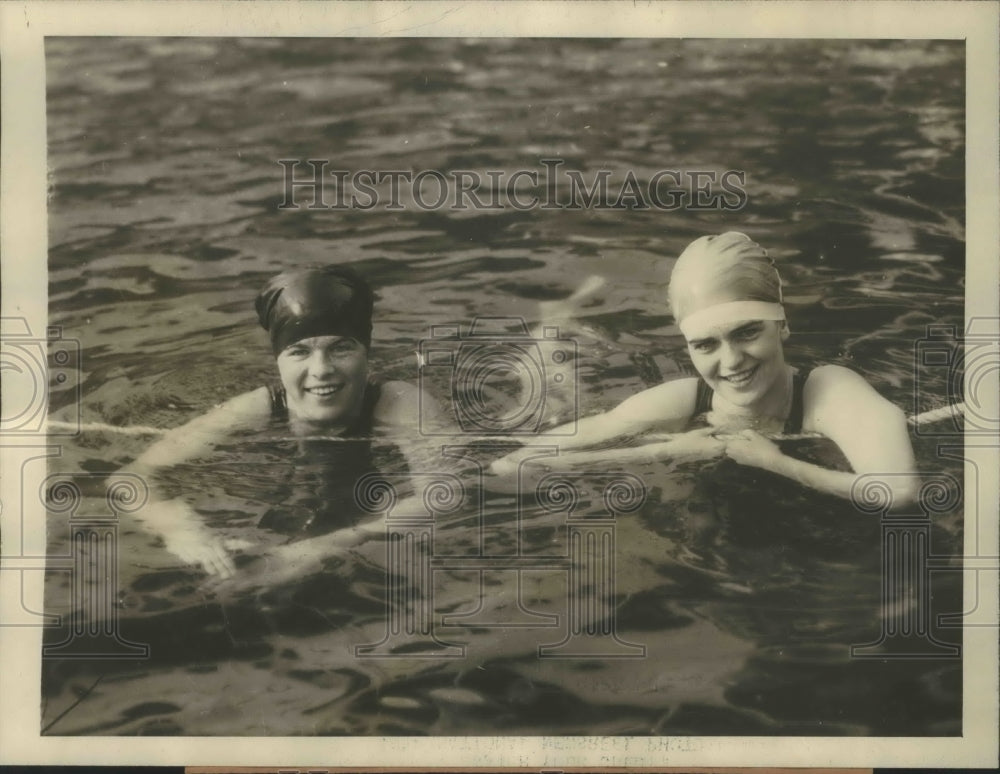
830 380
400 404
669 406
247 410
870 431
835 396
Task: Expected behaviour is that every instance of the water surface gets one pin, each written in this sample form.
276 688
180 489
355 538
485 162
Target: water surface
746 592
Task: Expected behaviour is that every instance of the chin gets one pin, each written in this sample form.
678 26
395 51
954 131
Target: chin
742 399
329 417
319 415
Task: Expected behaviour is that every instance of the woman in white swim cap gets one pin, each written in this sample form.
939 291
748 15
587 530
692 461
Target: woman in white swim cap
726 296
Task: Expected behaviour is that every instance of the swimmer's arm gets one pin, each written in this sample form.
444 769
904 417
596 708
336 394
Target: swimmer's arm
200 435
667 407
174 520
401 406
401 409
870 431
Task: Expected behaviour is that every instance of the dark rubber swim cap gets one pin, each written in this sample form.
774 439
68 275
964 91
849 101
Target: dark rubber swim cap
316 301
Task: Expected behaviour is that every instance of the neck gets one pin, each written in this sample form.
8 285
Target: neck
304 427
773 407
777 402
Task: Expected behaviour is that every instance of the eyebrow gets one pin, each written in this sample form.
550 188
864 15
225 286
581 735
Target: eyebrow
696 342
747 326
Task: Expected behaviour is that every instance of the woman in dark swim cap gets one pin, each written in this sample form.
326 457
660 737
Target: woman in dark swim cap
726 296
319 320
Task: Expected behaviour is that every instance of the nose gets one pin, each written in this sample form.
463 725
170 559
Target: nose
321 363
730 357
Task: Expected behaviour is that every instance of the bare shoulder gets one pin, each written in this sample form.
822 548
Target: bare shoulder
399 403
248 409
836 397
871 431
831 382
256 402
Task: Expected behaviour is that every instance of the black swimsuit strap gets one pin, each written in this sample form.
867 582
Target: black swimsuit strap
279 402
702 399
794 422
366 422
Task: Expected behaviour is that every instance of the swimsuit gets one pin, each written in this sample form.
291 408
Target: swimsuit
318 490
703 403
757 508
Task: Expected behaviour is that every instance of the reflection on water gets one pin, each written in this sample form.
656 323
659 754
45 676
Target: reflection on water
745 592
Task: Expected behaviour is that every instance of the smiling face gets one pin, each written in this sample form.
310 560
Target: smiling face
726 296
324 379
743 362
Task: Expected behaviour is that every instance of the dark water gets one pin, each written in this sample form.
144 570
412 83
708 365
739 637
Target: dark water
746 592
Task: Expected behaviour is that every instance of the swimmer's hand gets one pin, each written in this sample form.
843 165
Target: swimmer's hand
754 450
188 539
281 565
300 559
505 466
509 465
197 547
